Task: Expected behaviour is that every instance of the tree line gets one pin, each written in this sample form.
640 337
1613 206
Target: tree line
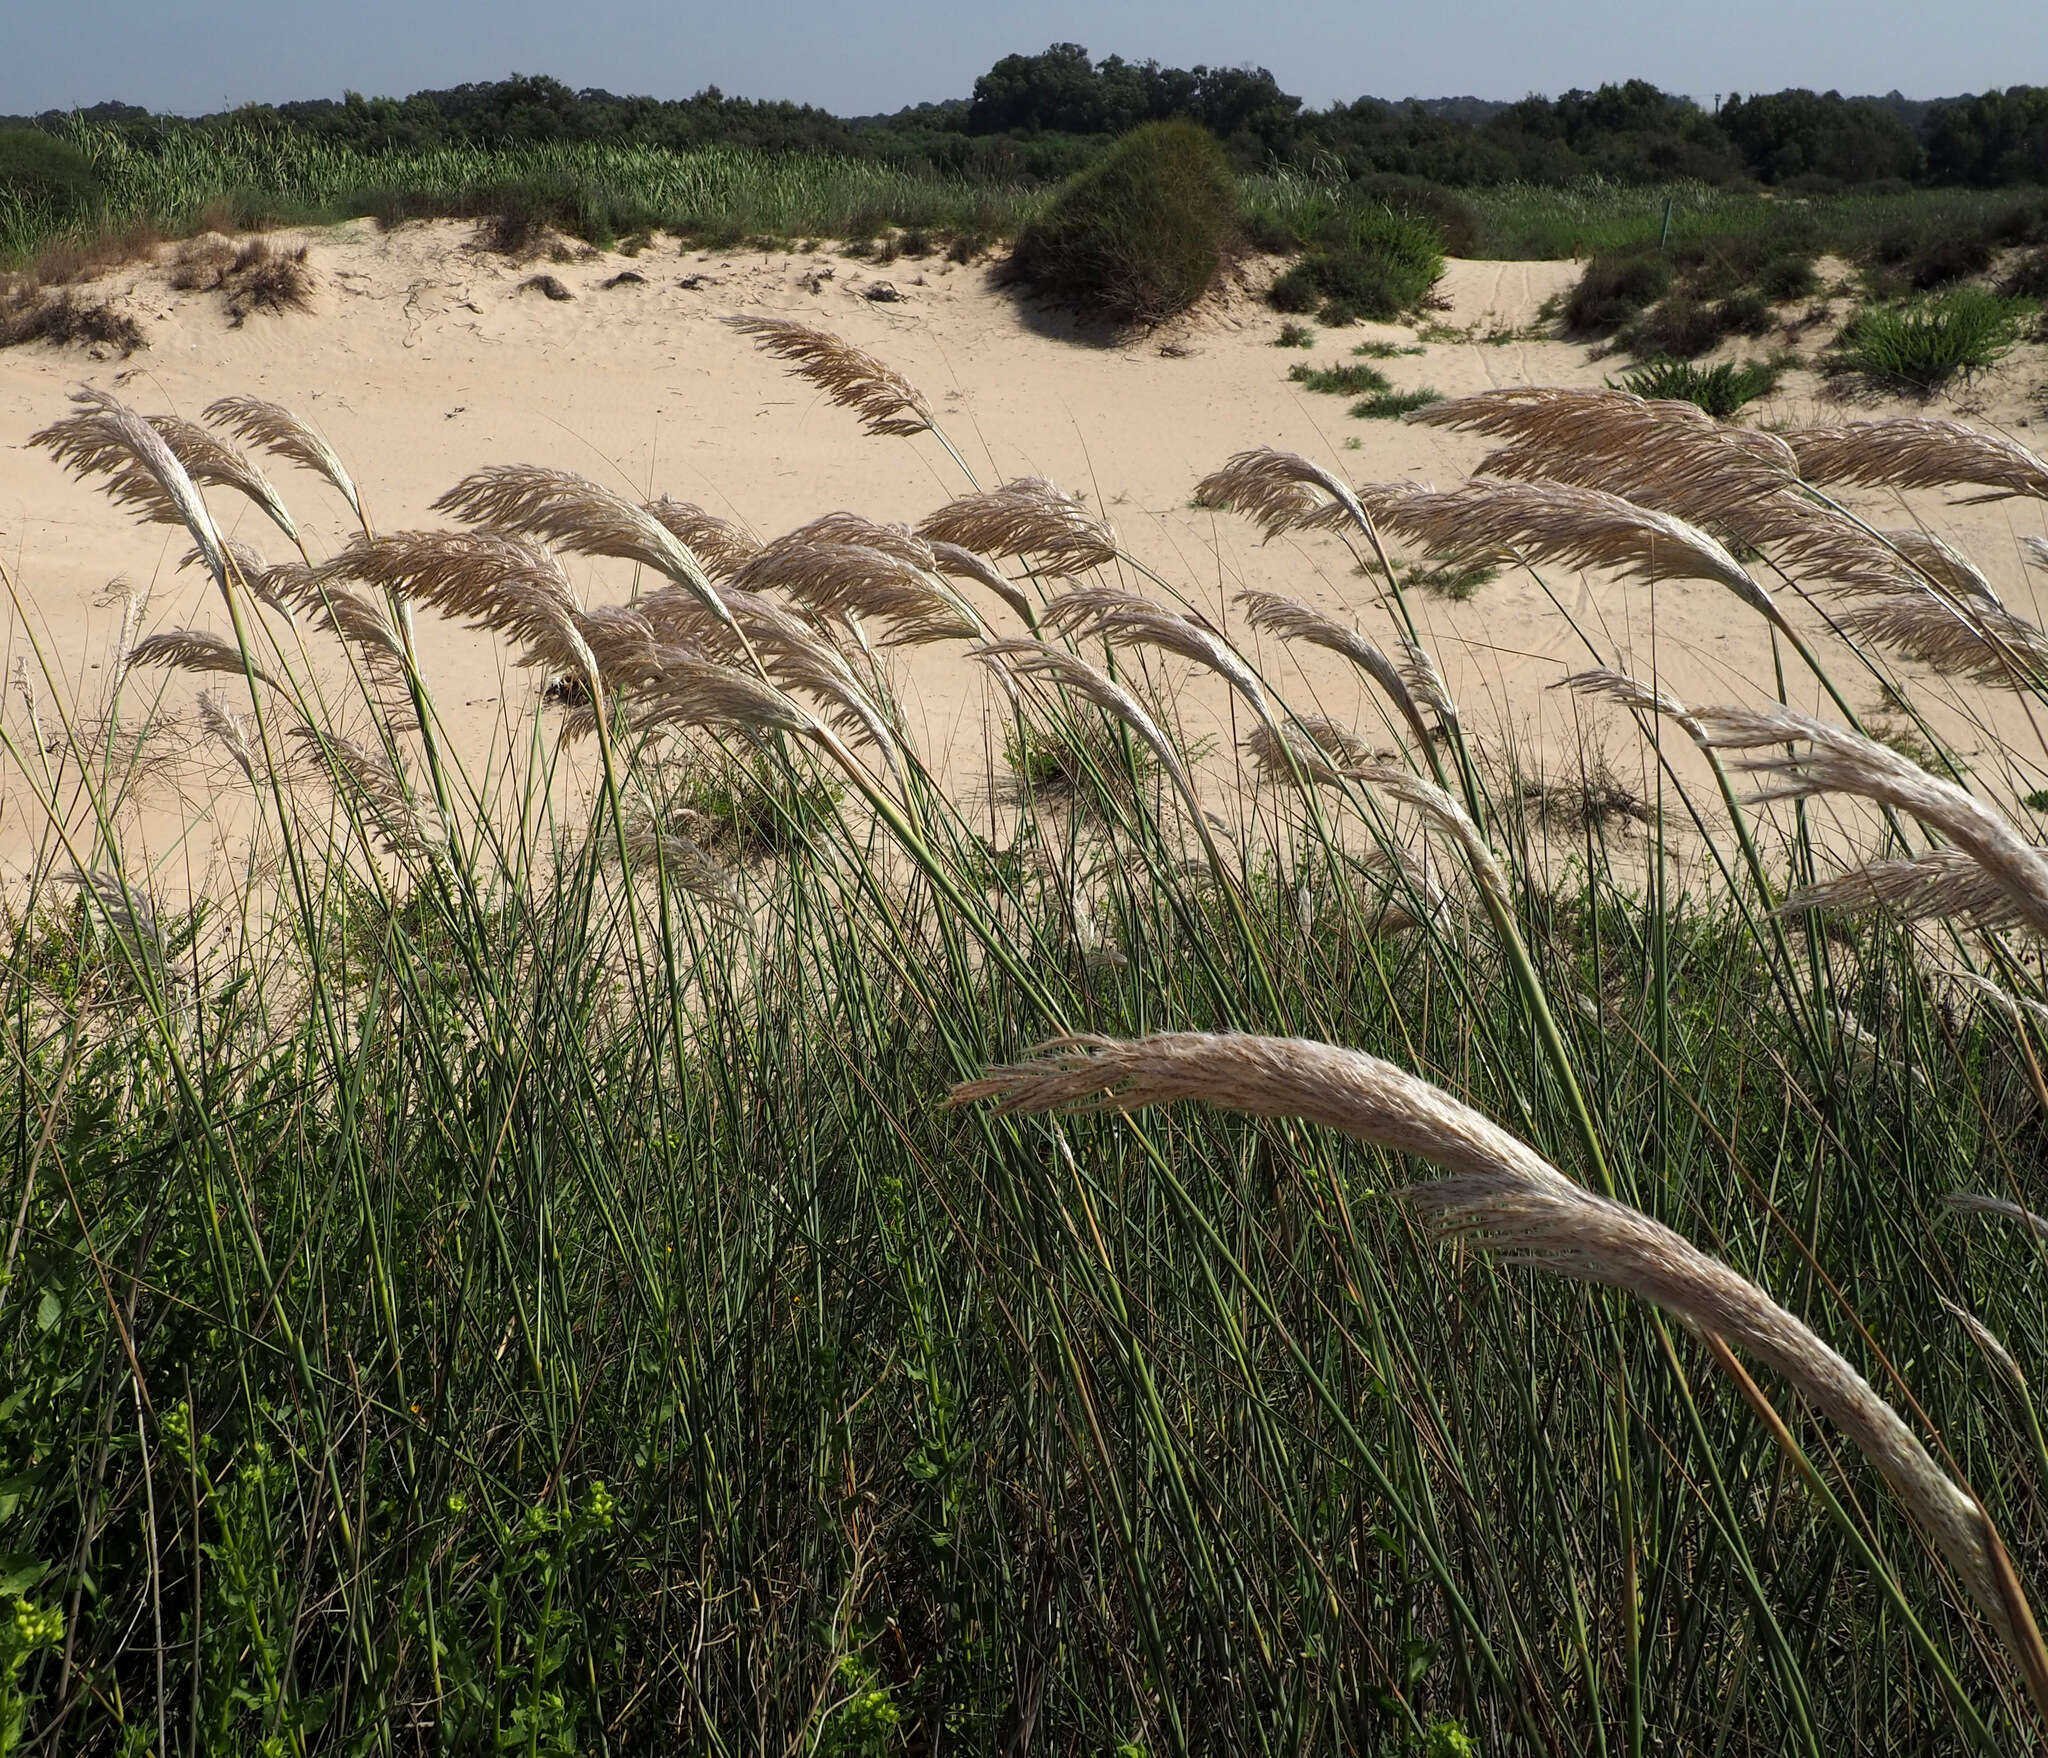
1042 116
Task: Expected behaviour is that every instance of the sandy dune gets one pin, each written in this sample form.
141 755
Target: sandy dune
425 359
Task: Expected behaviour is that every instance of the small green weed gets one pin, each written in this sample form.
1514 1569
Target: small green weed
1392 405
1294 335
1386 350
1342 381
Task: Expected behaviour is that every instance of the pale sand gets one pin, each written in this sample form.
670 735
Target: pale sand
422 361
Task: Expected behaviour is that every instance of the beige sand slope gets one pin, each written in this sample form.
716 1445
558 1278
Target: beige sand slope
424 359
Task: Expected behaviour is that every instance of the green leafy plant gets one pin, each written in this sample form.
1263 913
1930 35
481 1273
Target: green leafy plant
1294 335
1720 390
1364 261
1391 405
1920 347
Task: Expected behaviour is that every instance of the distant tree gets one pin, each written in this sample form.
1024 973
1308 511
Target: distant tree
1999 137
1790 134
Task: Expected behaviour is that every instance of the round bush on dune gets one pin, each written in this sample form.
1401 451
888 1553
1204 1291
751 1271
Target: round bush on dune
41 171
1144 232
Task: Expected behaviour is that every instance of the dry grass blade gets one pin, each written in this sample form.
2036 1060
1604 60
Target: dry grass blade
574 513
284 435
193 650
719 544
1945 884
1973 1203
886 401
1919 451
1839 761
108 438
1027 517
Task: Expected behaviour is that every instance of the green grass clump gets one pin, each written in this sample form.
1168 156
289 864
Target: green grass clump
1386 350
1614 289
1347 381
1391 405
1788 276
494 1272
1719 390
1364 261
1294 335
1921 346
1143 233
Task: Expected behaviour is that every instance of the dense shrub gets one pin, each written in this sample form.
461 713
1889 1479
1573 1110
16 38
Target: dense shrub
1719 390
1920 347
1143 233
1787 277
1614 289
41 171
1455 219
1947 260
1367 262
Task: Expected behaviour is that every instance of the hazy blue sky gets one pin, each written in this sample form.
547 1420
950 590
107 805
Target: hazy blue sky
856 56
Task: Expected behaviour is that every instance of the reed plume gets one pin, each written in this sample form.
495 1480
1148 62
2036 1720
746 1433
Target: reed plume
573 513
194 650
2034 551
1943 884
1028 658
888 403
960 563
719 544
1508 1200
98 442
856 580
284 435
1291 620
1282 491
1975 640
110 438
1312 748
490 579
1839 761
367 779
1973 1203
1027 517
1125 618
225 727
129 913
1628 692
1919 451
1576 527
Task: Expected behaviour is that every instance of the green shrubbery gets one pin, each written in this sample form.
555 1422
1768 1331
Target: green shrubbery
1364 261
40 171
1719 390
1921 346
1143 233
1614 289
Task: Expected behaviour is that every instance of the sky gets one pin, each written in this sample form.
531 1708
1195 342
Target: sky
860 56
